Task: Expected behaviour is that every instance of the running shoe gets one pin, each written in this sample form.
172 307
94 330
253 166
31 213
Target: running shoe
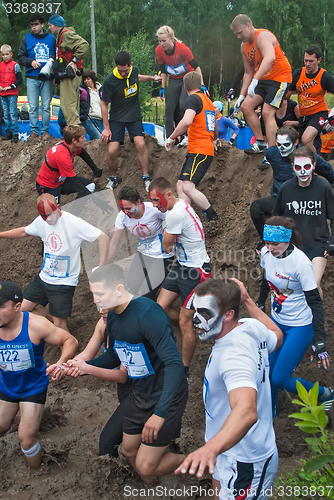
256 148
147 181
264 164
7 136
328 401
184 141
112 183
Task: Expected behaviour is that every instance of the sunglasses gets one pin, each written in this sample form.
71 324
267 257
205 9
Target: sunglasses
308 166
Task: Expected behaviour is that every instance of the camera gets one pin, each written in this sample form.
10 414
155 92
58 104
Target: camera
67 73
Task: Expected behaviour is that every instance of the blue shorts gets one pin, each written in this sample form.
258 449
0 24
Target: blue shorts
134 129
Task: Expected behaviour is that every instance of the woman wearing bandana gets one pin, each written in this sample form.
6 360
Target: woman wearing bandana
309 200
150 264
296 307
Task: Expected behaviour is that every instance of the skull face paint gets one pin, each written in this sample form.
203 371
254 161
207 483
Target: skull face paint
303 168
208 320
285 145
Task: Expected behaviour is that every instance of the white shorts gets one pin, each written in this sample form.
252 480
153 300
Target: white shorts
241 481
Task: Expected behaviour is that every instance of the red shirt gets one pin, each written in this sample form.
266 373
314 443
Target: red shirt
58 165
177 64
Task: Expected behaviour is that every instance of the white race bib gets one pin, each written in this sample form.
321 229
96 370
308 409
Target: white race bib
16 357
210 120
176 70
57 266
135 358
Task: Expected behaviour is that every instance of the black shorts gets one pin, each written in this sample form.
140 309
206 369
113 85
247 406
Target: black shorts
34 398
134 129
318 250
138 410
59 297
195 167
272 92
183 280
317 121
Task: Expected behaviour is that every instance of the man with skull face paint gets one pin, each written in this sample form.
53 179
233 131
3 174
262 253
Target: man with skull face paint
309 200
240 449
280 161
62 234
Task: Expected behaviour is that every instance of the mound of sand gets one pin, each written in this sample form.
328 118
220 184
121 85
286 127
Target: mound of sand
76 411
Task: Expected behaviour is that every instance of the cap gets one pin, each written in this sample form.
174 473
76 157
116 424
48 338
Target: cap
10 291
57 20
219 105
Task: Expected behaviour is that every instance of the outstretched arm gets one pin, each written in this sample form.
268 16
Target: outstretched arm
103 248
243 403
184 124
111 375
19 232
114 242
42 330
149 78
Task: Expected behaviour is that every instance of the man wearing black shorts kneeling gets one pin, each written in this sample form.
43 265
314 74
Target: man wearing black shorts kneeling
143 341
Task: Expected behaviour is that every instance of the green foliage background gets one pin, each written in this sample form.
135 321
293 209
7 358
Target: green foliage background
202 24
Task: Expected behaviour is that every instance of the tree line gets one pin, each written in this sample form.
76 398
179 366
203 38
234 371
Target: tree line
203 25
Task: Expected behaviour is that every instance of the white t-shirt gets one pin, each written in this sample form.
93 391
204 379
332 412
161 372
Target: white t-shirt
95 103
240 359
183 221
288 279
147 229
62 241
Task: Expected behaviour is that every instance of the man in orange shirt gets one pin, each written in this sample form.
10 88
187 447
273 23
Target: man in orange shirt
200 119
311 84
267 73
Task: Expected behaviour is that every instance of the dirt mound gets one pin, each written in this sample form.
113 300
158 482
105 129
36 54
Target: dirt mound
76 411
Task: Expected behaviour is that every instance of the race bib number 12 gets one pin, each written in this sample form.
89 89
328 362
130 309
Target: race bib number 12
135 358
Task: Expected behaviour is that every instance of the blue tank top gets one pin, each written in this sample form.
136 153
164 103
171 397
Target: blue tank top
39 49
22 367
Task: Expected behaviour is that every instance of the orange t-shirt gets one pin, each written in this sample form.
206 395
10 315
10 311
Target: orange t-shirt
311 95
202 130
280 71
327 142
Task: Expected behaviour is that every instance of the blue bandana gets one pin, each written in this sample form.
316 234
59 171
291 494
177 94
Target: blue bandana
278 234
